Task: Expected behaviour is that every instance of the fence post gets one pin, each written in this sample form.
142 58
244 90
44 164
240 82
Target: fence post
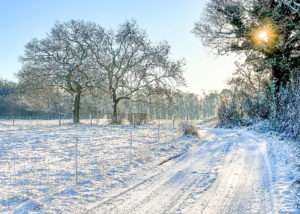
173 122
173 131
13 121
76 155
158 127
130 146
59 120
133 120
91 122
8 192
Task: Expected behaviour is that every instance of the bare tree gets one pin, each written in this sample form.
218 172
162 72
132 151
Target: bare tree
62 59
131 63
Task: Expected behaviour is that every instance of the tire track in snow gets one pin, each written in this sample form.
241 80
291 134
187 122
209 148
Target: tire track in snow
175 177
228 174
240 187
179 176
215 198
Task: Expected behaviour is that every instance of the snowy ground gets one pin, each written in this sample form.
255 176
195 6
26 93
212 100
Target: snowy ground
225 171
38 158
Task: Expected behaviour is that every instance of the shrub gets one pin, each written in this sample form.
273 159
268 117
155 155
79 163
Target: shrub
228 114
189 129
286 110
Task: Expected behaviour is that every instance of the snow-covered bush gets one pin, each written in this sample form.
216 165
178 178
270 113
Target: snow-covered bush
281 107
285 115
189 129
228 114
247 101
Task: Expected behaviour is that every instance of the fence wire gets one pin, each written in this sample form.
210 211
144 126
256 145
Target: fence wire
40 171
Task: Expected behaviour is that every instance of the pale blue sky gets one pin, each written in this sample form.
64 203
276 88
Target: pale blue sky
171 20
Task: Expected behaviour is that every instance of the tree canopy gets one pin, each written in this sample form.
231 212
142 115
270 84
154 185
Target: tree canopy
131 64
266 31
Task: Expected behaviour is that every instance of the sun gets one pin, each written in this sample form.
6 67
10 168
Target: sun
264 37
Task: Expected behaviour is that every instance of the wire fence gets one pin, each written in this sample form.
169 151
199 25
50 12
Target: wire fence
51 169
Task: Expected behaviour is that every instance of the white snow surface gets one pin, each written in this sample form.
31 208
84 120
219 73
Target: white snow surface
223 171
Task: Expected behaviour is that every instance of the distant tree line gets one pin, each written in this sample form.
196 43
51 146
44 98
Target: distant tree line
31 101
19 102
9 104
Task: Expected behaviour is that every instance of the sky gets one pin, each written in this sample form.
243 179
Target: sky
170 20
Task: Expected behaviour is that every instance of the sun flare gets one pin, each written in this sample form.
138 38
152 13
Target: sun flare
265 36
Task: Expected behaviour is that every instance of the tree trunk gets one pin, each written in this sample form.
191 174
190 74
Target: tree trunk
115 114
276 73
281 72
115 104
76 107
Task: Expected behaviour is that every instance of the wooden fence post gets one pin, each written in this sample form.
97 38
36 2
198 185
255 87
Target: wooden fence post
76 163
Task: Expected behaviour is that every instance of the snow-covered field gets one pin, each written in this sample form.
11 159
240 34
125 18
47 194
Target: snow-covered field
225 171
38 162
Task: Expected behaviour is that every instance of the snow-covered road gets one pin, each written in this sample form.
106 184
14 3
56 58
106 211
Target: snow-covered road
228 172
